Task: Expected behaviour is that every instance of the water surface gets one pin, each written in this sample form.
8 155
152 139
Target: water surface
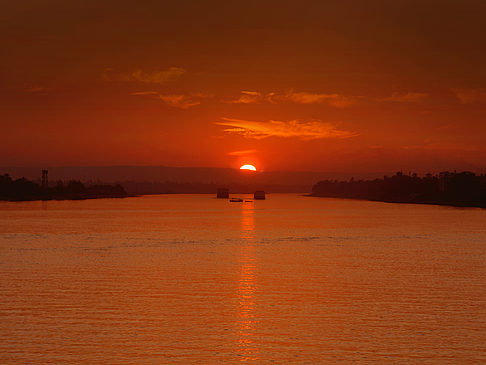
183 279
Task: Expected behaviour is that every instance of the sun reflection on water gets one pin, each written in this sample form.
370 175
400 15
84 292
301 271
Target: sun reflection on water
247 319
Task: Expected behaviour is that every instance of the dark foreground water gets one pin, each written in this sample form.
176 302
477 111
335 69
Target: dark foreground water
187 279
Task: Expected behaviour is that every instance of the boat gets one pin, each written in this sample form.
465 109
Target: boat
236 200
222 193
259 195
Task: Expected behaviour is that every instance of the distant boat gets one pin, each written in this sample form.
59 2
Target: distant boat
236 200
222 193
259 195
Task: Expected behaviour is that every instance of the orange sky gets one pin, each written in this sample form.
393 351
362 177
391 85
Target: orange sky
348 86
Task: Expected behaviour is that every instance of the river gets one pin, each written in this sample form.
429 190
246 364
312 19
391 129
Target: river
186 279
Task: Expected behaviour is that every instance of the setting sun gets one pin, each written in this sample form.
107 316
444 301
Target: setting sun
248 167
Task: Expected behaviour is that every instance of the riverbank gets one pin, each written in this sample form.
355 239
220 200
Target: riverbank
421 202
457 189
25 190
74 197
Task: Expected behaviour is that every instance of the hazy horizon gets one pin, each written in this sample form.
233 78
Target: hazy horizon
205 175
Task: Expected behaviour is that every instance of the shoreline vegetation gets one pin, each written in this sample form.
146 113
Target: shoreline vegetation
463 189
26 190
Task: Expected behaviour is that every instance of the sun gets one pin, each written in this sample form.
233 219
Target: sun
248 167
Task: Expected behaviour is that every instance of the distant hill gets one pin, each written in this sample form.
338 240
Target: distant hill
158 178
162 174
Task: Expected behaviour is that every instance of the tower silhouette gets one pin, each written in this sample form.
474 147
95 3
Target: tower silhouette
45 181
